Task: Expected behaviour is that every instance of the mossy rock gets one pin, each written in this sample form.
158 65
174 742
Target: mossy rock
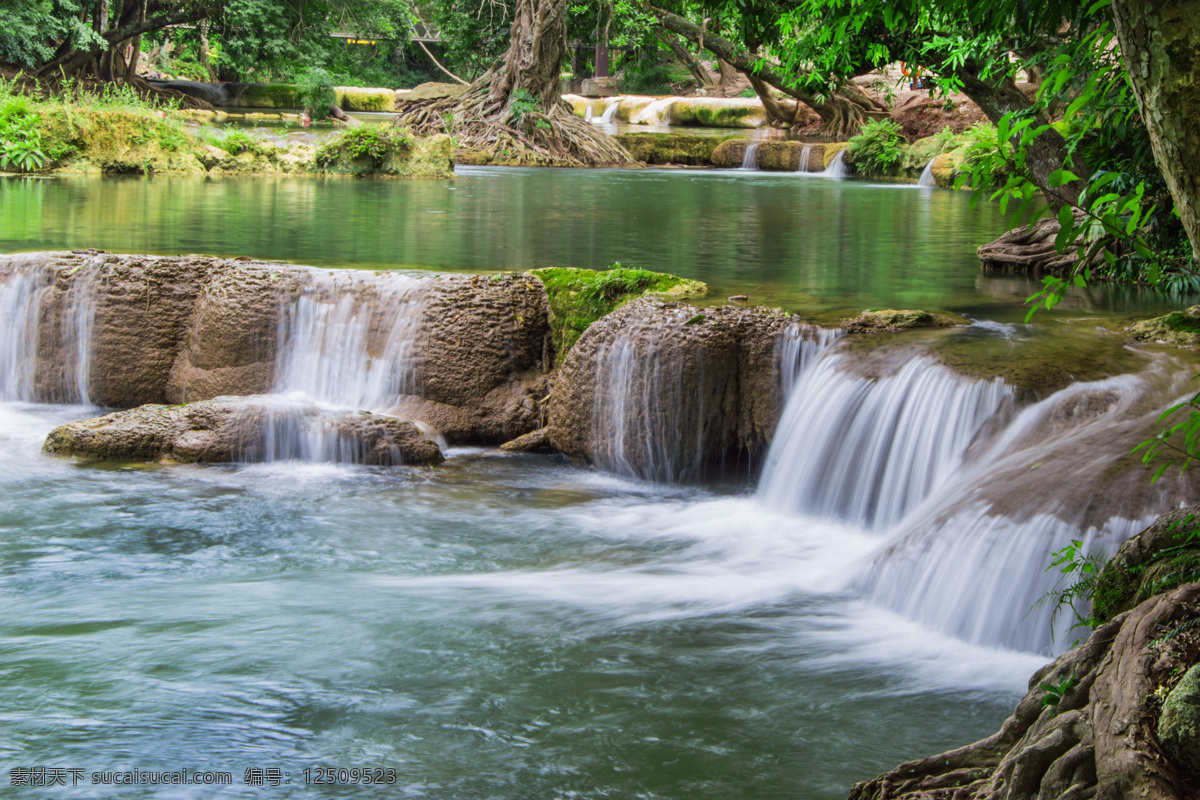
718 112
1040 366
1159 559
944 170
472 157
1179 725
890 320
672 148
270 95
118 141
431 91
354 98
578 104
579 297
1178 328
396 154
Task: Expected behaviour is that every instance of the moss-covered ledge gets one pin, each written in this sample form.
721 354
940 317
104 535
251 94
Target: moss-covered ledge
579 297
1181 328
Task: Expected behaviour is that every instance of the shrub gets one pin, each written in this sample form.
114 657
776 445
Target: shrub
373 142
879 149
316 93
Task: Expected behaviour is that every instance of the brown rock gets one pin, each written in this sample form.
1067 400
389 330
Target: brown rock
245 429
535 442
666 390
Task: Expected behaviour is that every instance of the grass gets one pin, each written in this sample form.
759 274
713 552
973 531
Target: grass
579 297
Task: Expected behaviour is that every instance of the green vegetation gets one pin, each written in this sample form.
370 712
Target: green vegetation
672 148
20 139
374 144
879 149
314 90
579 297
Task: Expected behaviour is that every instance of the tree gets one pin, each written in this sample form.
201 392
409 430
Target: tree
514 110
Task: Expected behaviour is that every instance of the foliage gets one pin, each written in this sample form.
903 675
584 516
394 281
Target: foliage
315 89
1080 575
579 297
20 139
879 149
1055 692
235 142
523 108
372 142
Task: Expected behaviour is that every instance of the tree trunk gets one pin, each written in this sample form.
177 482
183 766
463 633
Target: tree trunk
1160 43
485 117
1046 153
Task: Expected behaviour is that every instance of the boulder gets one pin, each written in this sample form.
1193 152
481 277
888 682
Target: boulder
430 91
534 442
1179 726
671 148
719 112
245 429
355 98
943 170
891 320
1178 328
668 391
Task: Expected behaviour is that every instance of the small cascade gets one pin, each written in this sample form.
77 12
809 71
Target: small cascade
45 335
610 112
971 563
799 351
805 156
837 167
866 450
927 176
750 159
657 112
590 111
294 428
349 339
649 419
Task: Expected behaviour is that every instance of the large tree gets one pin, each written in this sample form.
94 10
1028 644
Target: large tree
514 111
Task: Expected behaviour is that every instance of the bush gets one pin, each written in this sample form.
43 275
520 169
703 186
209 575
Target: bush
372 142
316 93
879 149
20 139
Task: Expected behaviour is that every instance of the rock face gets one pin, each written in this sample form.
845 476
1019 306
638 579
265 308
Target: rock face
245 430
134 330
671 148
1091 724
667 391
778 156
892 320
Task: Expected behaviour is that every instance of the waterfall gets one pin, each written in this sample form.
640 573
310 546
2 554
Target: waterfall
805 155
658 112
610 111
41 361
927 175
836 168
869 450
589 112
800 349
651 415
750 159
349 339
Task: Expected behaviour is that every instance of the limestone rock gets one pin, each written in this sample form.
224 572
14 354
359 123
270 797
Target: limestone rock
251 429
535 442
888 319
667 390
671 148
1179 725
1178 328
431 91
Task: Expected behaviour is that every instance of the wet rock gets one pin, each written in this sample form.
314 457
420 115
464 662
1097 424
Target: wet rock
667 391
1178 328
355 98
888 319
671 148
430 91
1179 725
536 442
250 429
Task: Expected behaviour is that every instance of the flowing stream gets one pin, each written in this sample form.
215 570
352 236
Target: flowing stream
518 626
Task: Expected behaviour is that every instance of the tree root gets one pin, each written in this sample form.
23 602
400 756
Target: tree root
1030 249
558 138
1099 741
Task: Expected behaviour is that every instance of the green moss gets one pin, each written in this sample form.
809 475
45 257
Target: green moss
353 98
1163 557
579 297
729 116
386 152
672 148
1178 327
1041 366
270 95
117 141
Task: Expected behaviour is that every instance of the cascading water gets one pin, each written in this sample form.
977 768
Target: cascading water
805 156
28 308
610 112
750 159
349 339
866 450
836 168
589 111
927 176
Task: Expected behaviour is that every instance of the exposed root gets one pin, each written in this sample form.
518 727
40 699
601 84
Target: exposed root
1030 249
558 138
1098 742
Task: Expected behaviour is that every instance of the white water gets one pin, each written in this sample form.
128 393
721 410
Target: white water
610 112
750 159
590 111
867 451
25 302
927 176
657 112
805 156
836 168
349 339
